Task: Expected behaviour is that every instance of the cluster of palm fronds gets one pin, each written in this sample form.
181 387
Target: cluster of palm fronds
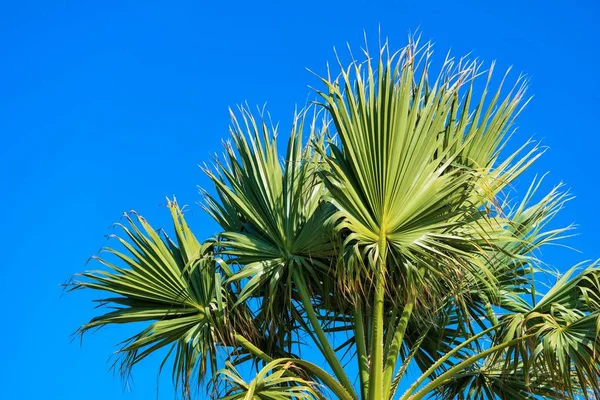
387 227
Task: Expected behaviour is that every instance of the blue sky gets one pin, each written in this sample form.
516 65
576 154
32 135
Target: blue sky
106 107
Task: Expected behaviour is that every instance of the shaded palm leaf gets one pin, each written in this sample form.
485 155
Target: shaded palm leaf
563 330
486 382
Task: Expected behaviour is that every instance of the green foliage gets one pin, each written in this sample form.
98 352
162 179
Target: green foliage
273 382
386 235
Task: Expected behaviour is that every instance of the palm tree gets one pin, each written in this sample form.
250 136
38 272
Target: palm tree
387 238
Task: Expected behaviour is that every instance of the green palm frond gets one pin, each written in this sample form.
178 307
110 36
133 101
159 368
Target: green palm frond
564 331
282 241
415 175
414 180
551 349
271 210
177 287
274 223
273 382
486 381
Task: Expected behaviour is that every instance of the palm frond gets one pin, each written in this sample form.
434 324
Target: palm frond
562 332
275 218
412 172
414 179
177 286
273 382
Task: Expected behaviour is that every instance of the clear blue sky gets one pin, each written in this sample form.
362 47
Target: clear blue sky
106 107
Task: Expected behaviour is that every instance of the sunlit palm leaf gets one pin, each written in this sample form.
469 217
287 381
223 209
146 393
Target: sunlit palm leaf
395 179
413 179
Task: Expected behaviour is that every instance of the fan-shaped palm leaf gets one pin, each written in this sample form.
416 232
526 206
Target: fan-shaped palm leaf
564 327
272 214
275 226
553 346
177 286
410 180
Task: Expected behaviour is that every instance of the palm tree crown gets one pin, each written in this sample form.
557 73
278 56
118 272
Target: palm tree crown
385 237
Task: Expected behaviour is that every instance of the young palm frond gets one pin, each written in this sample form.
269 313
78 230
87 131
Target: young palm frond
273 382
